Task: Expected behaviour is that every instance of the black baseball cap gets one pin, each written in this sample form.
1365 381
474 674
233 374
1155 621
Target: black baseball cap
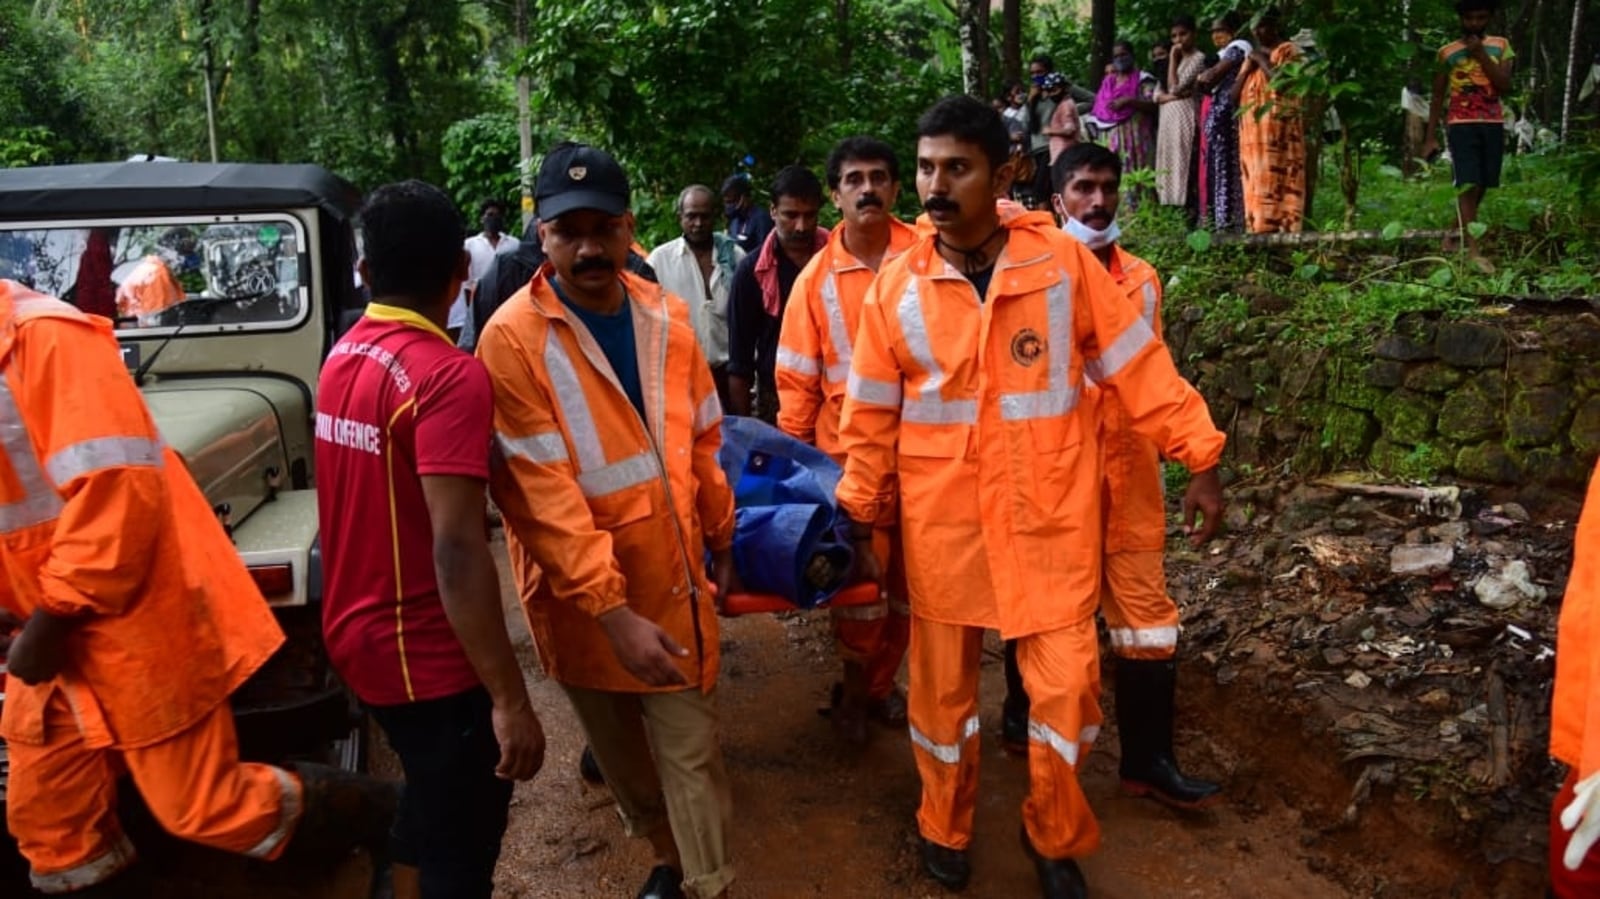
578 176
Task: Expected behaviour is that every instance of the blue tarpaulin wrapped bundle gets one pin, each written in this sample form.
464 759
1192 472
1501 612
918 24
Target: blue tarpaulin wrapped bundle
787 538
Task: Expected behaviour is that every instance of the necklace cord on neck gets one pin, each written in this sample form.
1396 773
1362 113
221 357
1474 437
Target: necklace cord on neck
974 259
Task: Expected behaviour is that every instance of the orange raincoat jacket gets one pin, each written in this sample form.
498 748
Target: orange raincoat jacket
601 508
975 407
99 520
1136 513
1575 710
148 289
819 325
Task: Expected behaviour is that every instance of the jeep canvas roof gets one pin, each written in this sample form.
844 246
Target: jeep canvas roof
152 188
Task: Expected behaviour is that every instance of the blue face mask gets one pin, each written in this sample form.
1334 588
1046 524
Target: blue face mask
1122 64
731 210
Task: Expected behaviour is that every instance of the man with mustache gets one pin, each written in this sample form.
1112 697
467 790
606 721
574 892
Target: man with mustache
761 287
1142 618
962 410
813 363
608 426
699 267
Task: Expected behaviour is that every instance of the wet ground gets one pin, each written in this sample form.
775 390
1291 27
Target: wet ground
813 819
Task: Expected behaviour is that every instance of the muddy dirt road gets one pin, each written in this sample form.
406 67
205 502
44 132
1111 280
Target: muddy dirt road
815 820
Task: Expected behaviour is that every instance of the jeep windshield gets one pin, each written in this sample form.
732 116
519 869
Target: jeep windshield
205 274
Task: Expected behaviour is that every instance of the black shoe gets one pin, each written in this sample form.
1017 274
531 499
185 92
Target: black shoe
948 866
341 811
890 711
589 769
665 883
1145 691
1059 878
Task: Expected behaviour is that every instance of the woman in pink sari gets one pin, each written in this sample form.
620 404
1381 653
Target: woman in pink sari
1125 108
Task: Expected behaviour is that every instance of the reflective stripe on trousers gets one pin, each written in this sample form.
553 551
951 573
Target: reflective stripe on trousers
949 753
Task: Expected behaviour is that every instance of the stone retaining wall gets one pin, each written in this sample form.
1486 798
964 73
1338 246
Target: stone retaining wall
1512 399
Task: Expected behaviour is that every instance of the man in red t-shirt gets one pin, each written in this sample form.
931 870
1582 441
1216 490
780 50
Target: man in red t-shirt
412 615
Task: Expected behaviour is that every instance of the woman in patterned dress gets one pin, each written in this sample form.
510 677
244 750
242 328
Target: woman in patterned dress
1224 189
1125 108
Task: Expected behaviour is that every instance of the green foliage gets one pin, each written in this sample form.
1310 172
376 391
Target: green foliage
44 116
479 156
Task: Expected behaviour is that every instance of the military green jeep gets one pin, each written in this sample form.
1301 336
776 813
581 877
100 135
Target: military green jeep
226 284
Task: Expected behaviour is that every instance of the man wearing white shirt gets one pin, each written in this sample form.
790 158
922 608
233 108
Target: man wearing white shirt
698 267
481 247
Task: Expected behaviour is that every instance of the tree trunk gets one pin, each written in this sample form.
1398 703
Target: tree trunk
985 58
1570 86
841 15
1103 32
970 30
524 118
1011 42
209 63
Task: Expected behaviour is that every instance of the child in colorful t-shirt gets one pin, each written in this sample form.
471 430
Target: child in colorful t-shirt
1473 72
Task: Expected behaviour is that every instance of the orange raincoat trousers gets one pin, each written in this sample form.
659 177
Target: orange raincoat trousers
100 522
1575 708
1142 618
812 367
965 411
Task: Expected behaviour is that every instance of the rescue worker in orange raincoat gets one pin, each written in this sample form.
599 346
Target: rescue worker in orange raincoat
138 619
813 363
1575 716
963 406
608 422
148 290
1141 617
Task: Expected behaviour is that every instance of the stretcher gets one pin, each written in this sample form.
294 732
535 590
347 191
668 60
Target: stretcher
862 594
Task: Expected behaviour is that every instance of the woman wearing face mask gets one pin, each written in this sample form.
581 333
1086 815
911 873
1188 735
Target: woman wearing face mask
1125 107
1222 194
1175 133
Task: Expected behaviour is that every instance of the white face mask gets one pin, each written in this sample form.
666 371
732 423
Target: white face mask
1093 238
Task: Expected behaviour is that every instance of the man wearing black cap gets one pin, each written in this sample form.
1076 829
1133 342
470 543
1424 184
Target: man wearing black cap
607 422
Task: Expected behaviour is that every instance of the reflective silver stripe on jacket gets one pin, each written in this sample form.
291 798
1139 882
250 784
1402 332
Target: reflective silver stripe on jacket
1039 732
1059 397
595 476
928 407
708 413
949 753
39 502
1150 304
102 452
837 332
547 447
867 390
1144 637
796 362
1121 351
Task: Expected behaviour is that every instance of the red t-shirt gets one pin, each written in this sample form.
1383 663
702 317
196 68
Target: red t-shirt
396 401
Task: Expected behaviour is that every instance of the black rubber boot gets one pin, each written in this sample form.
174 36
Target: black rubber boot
1059 878
1145 691
1014 711
948 866
342 811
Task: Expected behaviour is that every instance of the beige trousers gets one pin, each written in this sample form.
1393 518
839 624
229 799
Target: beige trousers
661 758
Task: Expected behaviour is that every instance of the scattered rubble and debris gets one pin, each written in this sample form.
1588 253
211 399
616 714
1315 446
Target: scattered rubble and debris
1415 624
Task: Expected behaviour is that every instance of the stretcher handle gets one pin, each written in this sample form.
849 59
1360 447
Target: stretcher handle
862 594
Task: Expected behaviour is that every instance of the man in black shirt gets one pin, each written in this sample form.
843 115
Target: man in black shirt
761 286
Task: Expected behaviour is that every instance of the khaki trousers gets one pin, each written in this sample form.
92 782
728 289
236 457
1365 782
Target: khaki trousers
661 758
